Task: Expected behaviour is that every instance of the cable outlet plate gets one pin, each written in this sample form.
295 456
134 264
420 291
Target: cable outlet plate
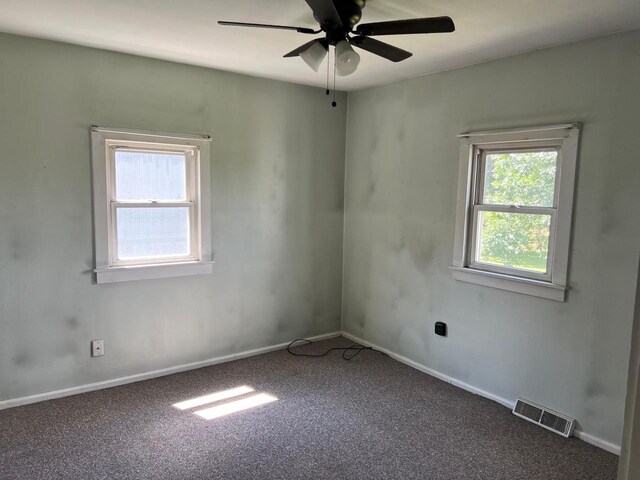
97 348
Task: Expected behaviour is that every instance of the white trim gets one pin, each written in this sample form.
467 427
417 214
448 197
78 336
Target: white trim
501 281
567 160
132 132
597 442
564 138
463 204
553 130
149 272
40 397
429 371
196 149
585 437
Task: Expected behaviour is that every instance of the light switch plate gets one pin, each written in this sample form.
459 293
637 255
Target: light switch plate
97 348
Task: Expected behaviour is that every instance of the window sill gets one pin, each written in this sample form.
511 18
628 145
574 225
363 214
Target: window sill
148 272
526 286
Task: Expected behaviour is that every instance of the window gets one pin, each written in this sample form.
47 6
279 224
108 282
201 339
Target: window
515 199
151 204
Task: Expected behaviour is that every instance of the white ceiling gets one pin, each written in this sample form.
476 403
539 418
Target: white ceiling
186 31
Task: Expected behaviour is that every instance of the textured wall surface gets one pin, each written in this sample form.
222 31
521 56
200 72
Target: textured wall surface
401 181
277 199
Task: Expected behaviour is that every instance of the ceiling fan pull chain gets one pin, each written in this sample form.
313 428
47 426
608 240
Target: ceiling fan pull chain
335 62
328 67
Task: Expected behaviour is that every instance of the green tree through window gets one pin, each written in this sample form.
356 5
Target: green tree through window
523 179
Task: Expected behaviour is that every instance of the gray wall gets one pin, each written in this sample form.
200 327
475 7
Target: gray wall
277 187
402 162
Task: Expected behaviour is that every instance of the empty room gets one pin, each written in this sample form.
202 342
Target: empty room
320 239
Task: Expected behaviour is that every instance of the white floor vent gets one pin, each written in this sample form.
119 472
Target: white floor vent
544 417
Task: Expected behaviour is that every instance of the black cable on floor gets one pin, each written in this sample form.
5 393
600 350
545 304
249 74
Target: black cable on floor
345 350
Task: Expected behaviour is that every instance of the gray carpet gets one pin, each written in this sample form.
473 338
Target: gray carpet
370 418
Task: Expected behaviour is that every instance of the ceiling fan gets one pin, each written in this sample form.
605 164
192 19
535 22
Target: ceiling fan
338 20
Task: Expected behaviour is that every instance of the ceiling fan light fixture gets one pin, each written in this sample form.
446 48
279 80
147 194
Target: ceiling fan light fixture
347 59
314 55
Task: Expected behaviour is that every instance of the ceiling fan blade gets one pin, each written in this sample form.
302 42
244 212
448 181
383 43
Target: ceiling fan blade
402 27
382 49
325 12
306 46
266 25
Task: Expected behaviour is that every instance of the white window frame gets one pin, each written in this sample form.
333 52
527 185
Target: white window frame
473 150
105 142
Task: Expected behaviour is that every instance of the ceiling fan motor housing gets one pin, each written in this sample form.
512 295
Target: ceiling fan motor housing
350 13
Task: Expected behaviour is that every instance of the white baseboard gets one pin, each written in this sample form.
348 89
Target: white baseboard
585 437
40 397
597 442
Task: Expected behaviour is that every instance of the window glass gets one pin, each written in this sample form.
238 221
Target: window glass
152 232
514 240
520 178
150 176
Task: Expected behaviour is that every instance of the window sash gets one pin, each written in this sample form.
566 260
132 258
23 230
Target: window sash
123 149
520 272
154 259
191 176
478 205
480 167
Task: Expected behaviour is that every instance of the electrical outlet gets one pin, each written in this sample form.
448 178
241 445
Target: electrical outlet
97 348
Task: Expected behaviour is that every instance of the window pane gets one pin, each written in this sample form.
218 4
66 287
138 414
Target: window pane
152 232
150 176
520 178
517 240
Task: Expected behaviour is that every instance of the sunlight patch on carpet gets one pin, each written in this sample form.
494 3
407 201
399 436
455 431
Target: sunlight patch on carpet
236 406
213 397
